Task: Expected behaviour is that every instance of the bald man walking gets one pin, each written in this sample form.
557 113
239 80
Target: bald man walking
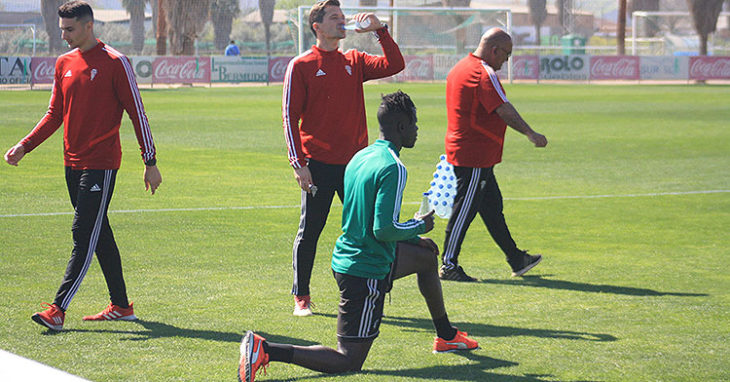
478 115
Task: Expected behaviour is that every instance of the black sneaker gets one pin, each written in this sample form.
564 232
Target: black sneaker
454 274
528 262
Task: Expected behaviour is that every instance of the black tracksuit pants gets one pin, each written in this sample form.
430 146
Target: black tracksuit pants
329 179
477 191
90 192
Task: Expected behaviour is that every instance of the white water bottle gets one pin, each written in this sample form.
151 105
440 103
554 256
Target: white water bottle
357 25
425 205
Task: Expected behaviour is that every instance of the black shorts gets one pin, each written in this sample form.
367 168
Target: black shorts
361 305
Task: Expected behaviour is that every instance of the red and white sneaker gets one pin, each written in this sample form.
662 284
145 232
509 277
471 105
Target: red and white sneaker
303 306
52 317
460 342
253 357
113 312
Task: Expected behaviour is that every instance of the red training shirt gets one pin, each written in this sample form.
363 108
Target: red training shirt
324 90
90 90
475 133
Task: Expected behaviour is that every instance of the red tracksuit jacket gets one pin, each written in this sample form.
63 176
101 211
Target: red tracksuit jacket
90 91
324 90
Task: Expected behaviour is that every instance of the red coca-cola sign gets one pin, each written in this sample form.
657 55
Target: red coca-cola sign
42 69
277 68
418 68
615 68
525 67
169 70
709 68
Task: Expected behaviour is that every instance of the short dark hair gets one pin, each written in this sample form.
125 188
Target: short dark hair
394 104
79 10
316 14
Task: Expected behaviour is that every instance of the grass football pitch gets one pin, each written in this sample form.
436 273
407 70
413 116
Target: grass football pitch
629 203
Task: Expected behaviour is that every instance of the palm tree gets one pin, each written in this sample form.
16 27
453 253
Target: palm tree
538 13
222 13
621 28
136 8
185 19
49 10
704 15
161 28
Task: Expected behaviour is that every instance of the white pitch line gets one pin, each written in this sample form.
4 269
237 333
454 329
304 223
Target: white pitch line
297 206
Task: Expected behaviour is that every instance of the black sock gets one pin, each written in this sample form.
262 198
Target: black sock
279 352
444 328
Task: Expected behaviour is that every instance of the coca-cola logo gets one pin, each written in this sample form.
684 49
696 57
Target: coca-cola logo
278 68
614 68
44 69
179 70
419 67
710 68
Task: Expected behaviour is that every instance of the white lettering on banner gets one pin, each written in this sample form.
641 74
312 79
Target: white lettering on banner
184 71
44 69
278 68
525 67
418 68
705 68
607 68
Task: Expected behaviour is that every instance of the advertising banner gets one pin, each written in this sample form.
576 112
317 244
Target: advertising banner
15 70
442 64
663 68
572 67
525 67
614 68
418 68
178 70
43 69
143 68
277 68
239 69
709 68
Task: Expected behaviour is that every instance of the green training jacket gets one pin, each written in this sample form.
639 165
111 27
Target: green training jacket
374 183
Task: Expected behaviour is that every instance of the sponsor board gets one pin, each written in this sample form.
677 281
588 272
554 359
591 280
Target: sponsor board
571 67
709 68
525 67
239 69
663 68
43 69
418 68
175 70
442 64
614 68
15 70
143 68
277 68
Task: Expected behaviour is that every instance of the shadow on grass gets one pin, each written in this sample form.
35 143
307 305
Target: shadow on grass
485 330
153 329
477 370
540 282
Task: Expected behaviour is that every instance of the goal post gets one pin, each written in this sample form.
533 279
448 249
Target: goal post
418 31
667 33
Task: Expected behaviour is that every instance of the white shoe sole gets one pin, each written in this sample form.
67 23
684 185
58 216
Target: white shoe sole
302 312
527 268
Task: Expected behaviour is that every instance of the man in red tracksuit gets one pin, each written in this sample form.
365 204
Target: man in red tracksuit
93 85
478 115
323 88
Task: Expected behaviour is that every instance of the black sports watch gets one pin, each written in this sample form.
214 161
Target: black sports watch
151 162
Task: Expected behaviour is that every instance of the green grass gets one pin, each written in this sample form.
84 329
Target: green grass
631 288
